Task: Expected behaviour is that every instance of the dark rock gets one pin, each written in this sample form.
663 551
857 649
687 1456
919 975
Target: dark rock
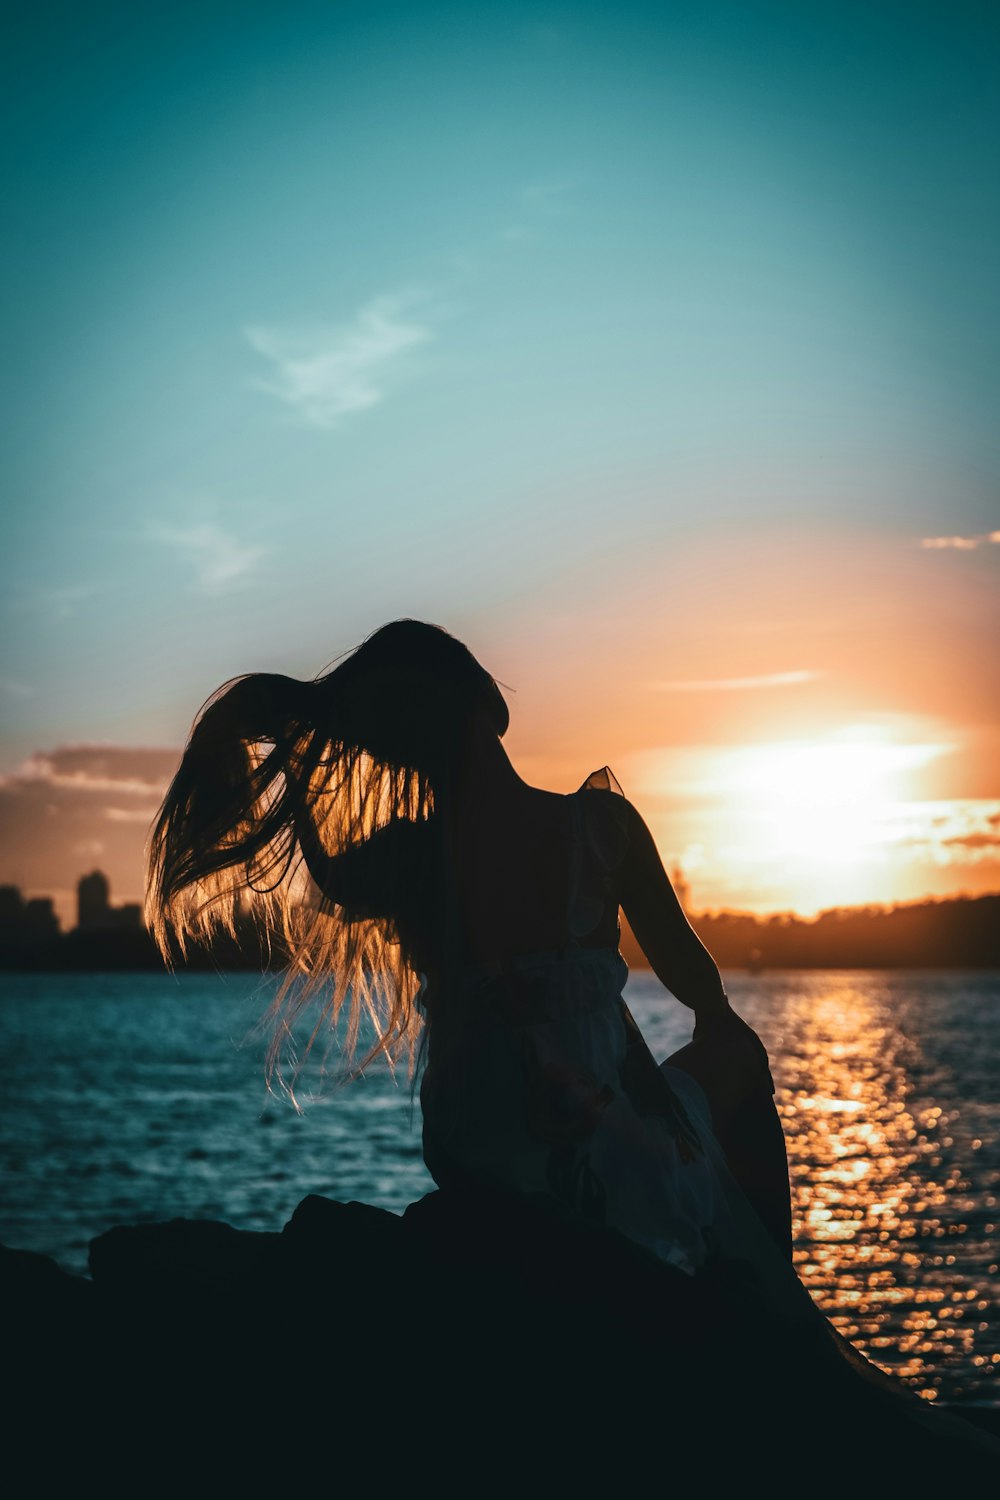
493 1340
194 1254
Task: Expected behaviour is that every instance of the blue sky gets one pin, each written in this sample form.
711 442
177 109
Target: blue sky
496 315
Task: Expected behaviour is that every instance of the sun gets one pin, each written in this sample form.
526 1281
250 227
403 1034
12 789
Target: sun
826 800
800 823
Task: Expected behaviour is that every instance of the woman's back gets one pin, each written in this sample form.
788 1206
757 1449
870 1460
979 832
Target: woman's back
538 1080
512 860
519 859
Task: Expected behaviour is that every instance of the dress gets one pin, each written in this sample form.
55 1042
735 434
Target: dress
544 1086
540 1084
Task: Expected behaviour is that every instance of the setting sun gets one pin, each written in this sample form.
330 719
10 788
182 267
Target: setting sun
827 799
807 823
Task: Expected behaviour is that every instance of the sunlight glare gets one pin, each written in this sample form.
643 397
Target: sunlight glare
807 797
807 822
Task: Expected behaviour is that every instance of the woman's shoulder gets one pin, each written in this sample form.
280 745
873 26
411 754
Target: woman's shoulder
602 789
607 816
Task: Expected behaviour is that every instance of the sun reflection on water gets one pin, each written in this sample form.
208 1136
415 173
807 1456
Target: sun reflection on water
888 1239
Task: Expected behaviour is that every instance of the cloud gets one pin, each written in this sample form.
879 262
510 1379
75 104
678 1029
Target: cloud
220 560
737 684
60 601
328 374
960 543
128 770
89 848
548 193
537 203
65 807
959 831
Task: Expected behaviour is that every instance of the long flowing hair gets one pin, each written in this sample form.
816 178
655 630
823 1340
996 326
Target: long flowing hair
324 806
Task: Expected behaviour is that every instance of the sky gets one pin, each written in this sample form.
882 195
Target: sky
651 349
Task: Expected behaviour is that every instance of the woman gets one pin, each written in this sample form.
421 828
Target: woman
442 887
374 816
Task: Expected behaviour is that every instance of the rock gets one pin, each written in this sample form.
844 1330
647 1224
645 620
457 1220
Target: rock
482 1339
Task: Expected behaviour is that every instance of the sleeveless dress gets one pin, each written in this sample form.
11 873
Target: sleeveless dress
544 1086
538 1082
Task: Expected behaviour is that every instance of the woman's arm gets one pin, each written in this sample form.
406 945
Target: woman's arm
726 1057
319 863
380 876
676 954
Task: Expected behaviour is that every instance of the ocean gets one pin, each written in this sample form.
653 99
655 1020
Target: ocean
140 1097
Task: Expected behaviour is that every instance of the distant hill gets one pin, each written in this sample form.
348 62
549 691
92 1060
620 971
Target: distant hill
961 933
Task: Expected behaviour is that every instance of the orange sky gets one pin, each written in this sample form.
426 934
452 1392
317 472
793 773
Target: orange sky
805 719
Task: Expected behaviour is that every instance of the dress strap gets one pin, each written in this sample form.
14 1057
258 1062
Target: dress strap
601 835
603 780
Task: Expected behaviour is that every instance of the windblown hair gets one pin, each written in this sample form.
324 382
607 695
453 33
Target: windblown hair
346 779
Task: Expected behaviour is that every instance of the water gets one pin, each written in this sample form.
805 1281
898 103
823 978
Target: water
140 1097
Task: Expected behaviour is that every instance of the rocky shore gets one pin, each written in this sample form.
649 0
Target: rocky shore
479 1337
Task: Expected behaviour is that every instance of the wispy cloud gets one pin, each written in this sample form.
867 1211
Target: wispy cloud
132 770
93 802
327 374
959 831
736 684
537 203
548 193
59 601
961 543
221 561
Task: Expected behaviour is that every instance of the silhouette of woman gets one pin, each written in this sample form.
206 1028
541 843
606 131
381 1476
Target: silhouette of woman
375 818
443 888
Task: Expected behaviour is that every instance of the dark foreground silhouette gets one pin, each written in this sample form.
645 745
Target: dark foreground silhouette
468 1343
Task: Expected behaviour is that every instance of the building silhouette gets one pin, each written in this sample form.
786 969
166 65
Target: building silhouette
27 924
93 900
40 924
11 913
94 912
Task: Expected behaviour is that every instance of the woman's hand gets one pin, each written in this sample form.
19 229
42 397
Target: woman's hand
725 1028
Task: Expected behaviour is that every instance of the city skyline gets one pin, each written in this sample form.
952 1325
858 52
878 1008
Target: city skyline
35 917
